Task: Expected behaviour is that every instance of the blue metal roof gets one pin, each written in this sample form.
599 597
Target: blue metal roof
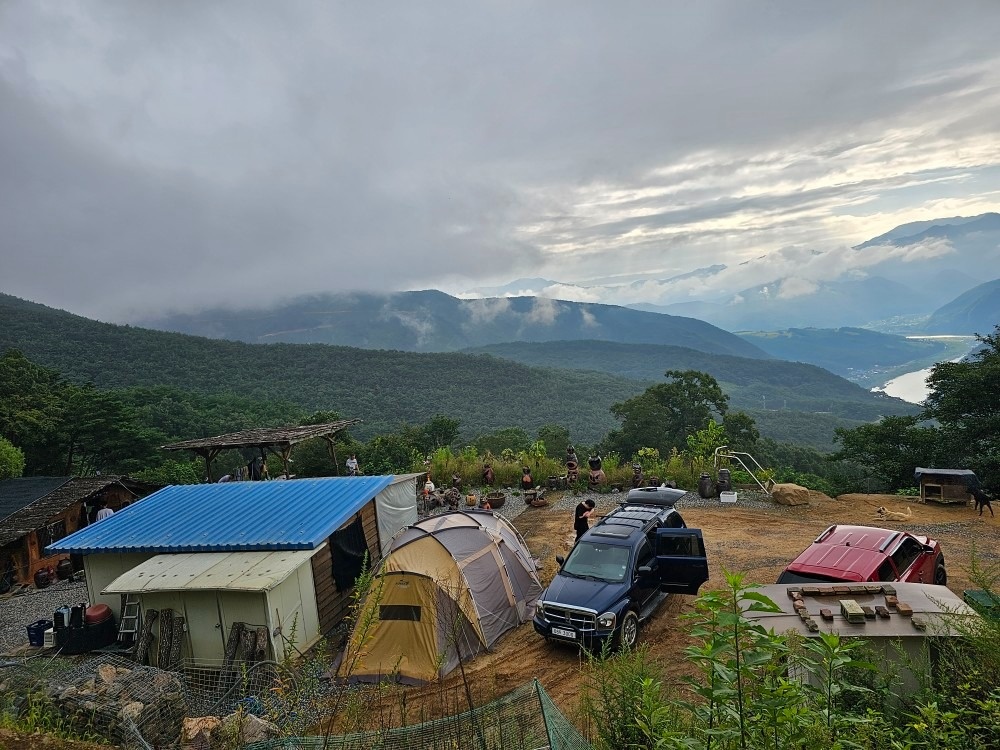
229 517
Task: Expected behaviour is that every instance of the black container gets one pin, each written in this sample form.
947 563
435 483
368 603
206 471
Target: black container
725 481
706 488
76 615
64 569
75 640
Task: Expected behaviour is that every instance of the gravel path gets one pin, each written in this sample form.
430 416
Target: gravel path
17 612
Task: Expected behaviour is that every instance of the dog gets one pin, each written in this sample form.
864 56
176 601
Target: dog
982 501
884 514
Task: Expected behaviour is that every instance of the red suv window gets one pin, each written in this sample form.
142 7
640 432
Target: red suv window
886 572
905 555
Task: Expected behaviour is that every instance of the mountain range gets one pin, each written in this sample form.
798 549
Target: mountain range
431 321
892 282
572 383
902 281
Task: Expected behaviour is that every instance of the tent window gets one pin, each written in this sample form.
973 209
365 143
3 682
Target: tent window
399 612
348 549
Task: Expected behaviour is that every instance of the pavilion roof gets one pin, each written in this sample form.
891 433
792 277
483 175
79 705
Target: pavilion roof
285 436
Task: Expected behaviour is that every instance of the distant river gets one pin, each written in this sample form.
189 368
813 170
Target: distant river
912 386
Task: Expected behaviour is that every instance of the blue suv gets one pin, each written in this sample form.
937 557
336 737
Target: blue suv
620 571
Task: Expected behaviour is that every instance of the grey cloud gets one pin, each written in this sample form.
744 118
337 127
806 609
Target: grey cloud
183 155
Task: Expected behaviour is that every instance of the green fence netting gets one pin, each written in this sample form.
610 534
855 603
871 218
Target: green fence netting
524 719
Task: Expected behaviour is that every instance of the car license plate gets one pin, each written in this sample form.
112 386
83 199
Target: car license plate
563 633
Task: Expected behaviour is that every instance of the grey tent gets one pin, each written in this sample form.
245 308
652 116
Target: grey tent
450 587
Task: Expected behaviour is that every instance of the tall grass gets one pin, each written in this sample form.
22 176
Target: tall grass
754 689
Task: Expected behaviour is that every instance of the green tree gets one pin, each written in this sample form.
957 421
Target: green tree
513 439
741 431
665 414
31 410
702 443
965 400
890 449
440 432
11 460
389 454
101 432
172 472
556 439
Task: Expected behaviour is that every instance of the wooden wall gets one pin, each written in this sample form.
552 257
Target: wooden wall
334 605
28 553
944 489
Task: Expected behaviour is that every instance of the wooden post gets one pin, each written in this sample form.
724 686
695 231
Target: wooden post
333 452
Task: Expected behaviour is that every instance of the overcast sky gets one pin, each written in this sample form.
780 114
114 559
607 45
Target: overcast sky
176 155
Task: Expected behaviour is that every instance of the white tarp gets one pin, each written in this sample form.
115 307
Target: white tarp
396 508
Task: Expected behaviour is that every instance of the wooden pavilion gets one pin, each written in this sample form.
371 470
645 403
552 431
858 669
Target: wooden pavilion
277 441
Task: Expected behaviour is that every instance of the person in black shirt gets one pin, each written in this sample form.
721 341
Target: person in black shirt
581 517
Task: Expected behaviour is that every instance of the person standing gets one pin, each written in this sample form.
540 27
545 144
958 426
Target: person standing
581 517
104 511
353 469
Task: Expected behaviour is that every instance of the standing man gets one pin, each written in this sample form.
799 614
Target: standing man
352 466
581 517
104 511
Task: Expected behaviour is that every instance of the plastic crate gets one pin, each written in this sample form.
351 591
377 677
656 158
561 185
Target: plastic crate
36 632
727 497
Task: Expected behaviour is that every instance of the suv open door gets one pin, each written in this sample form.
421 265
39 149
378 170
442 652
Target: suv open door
681 562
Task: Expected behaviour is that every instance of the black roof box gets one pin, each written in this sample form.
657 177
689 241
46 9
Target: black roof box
664 497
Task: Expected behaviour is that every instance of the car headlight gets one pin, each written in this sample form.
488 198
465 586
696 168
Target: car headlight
606 621
540 610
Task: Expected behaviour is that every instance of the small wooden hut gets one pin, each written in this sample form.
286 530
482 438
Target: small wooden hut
946 485
37 511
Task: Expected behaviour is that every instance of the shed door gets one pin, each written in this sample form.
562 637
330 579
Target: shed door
681 562
204 628
249 607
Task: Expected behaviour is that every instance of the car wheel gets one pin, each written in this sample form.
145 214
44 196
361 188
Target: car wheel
628 633
940 574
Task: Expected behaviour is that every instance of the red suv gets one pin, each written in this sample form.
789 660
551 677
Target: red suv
856 554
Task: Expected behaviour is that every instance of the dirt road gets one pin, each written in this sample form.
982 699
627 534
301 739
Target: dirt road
756 541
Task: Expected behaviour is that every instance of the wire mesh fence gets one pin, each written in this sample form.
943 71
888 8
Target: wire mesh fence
110 699
524 719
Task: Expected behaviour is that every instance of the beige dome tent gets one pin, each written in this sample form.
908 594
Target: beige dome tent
450 586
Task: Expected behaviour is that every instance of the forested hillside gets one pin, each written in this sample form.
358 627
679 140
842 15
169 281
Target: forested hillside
976 311
850 352
752 384
387 388
383 388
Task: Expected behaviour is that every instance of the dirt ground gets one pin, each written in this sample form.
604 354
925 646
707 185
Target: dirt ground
756 542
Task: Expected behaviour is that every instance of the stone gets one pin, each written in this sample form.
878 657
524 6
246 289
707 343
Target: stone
826 614
131 711
790 494
240 729
196 732
107 673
